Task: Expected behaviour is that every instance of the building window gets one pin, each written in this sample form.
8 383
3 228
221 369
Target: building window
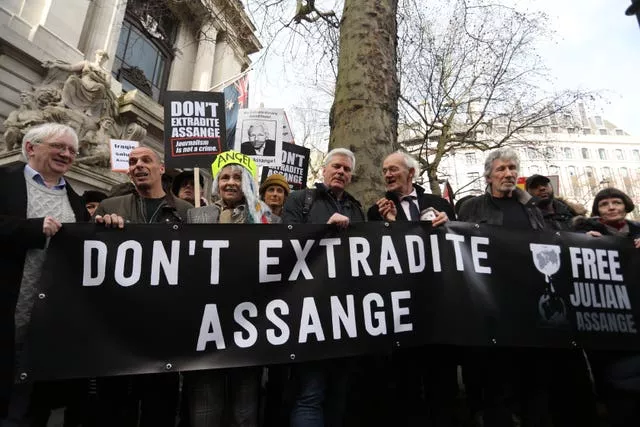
470 158
603 132
571 130
624 173
606 172
144 52
598 120
549 153
531 154
554 170
568 154
619 132
589 171
571 170
585 153
602 153
636 155
554 129
619 154
586 131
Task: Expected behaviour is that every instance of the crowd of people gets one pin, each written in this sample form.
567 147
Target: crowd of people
410 387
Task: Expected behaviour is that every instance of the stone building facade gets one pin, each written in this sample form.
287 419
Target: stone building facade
142 48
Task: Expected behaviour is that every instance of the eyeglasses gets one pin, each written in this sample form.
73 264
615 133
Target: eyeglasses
61 148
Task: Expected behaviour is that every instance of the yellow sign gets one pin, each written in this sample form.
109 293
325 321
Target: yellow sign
231 157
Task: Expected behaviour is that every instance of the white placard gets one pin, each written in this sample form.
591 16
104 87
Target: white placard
120 149
259 135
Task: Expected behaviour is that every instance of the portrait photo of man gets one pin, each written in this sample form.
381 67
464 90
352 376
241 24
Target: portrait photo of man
259 143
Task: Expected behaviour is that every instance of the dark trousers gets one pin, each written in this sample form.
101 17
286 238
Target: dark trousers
321 393
424 386
149 400
212 393
31 404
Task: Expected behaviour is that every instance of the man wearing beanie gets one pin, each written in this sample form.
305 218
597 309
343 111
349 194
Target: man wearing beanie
274 191
210 394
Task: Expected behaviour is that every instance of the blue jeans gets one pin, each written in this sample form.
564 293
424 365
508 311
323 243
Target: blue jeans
322 392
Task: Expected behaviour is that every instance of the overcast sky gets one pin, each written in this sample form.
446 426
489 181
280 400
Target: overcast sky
598 48
595 47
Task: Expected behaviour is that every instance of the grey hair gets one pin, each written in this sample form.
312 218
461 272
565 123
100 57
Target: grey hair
249 191
504 153
41 133
409 161
340 152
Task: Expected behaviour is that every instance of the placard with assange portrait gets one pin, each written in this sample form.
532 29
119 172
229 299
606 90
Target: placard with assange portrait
259 135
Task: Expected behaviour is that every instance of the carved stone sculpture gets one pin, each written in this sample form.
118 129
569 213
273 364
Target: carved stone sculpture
90 92
79 96
24 117
94 145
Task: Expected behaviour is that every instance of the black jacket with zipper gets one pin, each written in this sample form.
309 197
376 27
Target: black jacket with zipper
324 204
132 208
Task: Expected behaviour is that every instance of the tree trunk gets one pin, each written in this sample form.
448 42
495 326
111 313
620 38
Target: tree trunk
432 172
364 116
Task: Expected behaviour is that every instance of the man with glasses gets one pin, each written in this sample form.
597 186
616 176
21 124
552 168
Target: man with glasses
35 200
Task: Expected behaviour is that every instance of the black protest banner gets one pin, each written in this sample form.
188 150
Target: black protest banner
194 128
295 166
155 297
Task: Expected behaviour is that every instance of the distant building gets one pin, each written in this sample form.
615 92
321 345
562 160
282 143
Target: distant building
586 153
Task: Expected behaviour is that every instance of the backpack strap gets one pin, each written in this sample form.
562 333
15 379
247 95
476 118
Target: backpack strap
309 198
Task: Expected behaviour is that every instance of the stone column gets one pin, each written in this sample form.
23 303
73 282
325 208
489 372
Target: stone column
203 68
102 28
226 64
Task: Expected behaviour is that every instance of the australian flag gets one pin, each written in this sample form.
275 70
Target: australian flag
236 96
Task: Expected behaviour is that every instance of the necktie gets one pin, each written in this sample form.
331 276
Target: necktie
413 209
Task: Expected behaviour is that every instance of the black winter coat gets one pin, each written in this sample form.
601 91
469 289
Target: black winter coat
324 205
18 235
483 210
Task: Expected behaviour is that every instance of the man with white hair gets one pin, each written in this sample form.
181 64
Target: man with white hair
404 200
328 203
425 377
35 201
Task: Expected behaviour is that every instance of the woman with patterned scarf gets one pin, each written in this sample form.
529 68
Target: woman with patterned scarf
212 393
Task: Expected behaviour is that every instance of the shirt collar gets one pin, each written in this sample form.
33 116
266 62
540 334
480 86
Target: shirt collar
413 195
33 174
